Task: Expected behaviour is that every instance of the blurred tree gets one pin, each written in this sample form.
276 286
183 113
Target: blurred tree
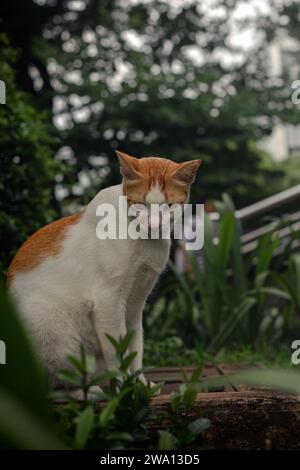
290 17
21 22
167 79
160 77
27 164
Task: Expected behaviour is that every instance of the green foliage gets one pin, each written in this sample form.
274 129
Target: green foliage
185 430
230 299
94 423
290 282
114 425
291 170
277 379
170 351
115 418
145 95
173 352
27 165
139 88
122 415
25 418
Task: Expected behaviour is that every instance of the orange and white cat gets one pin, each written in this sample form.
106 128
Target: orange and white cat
73 288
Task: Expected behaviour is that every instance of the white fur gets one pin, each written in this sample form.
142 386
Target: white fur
155 195
91 288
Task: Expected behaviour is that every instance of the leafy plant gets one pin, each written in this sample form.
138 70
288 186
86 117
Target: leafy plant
223 132
170 351
226 298
25 417
290 282
119 417
116 417
185 429
122 410
27 164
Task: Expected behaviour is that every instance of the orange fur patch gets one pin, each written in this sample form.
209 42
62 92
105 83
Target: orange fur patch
140 175
42 244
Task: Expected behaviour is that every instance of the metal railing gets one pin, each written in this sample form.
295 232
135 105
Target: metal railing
288 225
266 205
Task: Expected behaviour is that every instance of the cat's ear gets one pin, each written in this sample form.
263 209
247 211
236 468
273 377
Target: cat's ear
186 172
129 166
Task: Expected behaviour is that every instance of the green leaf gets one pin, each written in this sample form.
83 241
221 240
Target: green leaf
90 362
276 292
198 426
197 373
155 388
108 412
295 260
126 361
124 342
265 251
22 376
231 323
71 377
122 436
181 279
114 342
166 441
175 400
77 364
188 394
21 428
84 425
106 375
225 242
260 279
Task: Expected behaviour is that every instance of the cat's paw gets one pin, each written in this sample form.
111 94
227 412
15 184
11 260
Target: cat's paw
152 385
95 392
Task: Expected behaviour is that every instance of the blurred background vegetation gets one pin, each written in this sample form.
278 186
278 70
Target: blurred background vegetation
180 79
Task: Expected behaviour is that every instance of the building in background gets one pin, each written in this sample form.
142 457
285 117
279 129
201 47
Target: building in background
285 138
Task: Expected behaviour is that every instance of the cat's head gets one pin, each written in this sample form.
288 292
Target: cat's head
152 180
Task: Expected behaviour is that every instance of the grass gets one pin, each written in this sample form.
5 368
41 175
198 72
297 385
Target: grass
172 352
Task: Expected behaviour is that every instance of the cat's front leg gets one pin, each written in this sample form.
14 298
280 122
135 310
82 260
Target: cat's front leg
134 313
137 343
109 320
135 323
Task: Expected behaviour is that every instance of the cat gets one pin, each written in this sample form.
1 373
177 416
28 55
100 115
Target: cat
73 289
